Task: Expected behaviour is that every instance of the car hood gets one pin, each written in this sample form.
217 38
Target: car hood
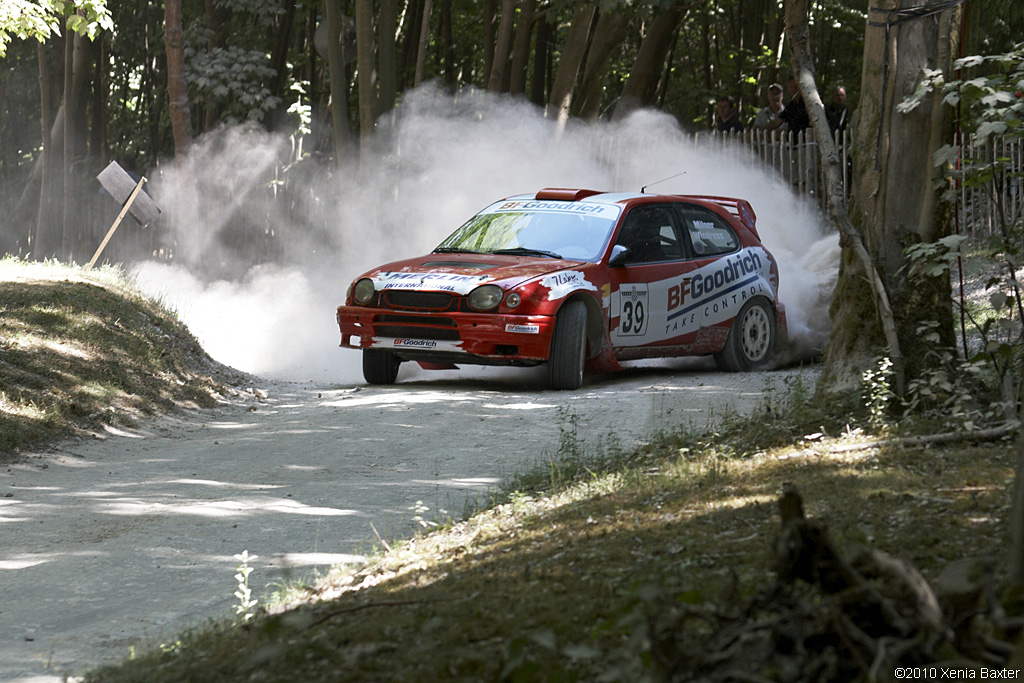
462 272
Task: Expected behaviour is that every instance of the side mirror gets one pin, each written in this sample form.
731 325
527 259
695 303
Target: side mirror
620 254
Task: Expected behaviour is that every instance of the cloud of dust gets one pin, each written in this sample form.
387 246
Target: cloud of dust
434 163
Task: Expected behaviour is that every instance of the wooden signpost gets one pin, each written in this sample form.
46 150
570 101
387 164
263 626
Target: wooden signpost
123 188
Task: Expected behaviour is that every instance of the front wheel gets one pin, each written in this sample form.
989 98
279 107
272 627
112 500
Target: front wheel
568 347
751 339
380 366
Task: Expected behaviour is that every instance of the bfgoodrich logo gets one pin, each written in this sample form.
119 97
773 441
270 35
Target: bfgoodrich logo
523 329
416 343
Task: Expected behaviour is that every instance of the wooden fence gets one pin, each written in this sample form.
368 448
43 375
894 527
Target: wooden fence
982 210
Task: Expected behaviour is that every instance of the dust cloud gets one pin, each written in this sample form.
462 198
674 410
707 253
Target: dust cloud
432 164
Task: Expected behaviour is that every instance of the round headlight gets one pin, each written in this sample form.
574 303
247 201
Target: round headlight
513 300
363 291
485 297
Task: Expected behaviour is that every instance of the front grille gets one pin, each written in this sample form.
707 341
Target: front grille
431 301
417 332
415 320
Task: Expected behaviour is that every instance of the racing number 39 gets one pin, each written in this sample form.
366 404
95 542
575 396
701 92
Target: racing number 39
632 310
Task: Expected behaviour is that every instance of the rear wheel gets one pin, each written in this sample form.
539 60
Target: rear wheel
380 366
568 347
751 339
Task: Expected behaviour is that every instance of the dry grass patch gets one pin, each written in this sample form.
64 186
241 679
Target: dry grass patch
80 350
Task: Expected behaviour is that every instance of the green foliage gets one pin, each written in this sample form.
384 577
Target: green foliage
246 603
231 79
989 97
27 19
878 393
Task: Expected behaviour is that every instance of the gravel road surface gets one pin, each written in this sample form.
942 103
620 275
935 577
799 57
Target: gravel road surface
123 541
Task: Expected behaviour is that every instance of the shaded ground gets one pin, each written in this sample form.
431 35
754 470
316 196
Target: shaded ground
110 543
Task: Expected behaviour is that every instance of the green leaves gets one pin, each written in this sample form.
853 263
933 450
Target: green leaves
232 79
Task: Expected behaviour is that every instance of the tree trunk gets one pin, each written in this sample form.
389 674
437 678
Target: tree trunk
279 61
798 30
569 66
364 57
177 90
421 53
541 61
387 22
78 69
502 47
642 84
448 46
608 34
490 10
98 130
70 106
521 48
338 79
46 241
894 200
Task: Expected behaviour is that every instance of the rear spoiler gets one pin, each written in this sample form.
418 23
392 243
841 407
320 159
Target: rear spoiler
740 208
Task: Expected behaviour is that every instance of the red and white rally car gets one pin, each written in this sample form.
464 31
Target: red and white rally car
577 279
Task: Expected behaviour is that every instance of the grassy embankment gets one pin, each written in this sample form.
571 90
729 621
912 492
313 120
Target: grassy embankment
81 350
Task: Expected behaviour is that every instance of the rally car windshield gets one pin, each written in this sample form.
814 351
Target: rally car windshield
569 230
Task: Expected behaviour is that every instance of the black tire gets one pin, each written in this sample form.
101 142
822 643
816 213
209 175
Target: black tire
568 347
380 366
751 341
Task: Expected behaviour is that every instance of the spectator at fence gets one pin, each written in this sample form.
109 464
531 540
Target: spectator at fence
728 117
794 117
774 108
836 112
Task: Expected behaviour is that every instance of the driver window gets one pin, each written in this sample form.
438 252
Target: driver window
709 234
651 235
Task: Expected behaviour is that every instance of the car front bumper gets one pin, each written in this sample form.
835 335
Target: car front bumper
450 336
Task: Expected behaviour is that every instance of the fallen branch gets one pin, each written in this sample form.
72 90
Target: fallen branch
990 434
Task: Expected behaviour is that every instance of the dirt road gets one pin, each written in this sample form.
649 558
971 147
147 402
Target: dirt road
117 543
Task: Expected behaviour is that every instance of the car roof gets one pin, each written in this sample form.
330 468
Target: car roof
739 209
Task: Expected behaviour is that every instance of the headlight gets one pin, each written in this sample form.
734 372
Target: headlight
363 291
513 300
485 297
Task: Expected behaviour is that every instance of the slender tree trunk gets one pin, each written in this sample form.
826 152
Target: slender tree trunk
279 61
70 106
421 53
387 22
541 60
641 86
521 47
98 138
502 47
568 68
448 45
338 79
177 90
45 242
490 11
367 76
608 34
